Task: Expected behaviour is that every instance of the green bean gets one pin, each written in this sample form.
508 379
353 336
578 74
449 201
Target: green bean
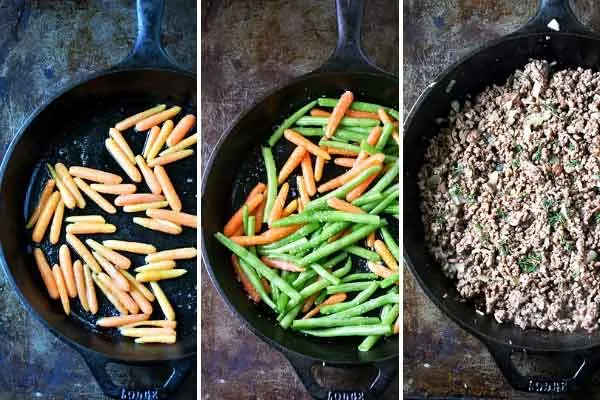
271 181
365 146
384 310
391 189
285 257
255 262
290 247
307 275
307 131
343 190
388 320
275 291
289 122
335 260
311 323
394 210
390 159
317 286
346 134
385 136
360 106
321 297
358 330
300 233
245 217
389 281
358 129
289 317
390 298
339 244
283 298
346 121
364 199
389 199
360 276
385 180
328 232
251 231
348 287
363 253
340 145
326 216
360 298
323 273
257 284
391 244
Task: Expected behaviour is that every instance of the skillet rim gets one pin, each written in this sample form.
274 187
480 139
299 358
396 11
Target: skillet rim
83 350
436 300
207 171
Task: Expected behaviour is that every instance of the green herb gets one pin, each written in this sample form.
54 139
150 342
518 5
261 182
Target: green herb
597 218
574 163
457 170
537 156
555 218
456 191
571 146
440 218
548 203
500 213
529 263
503 248
516 163
568 245
517 148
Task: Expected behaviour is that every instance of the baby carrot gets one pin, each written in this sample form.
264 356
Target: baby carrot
90 290
95 175
290 208
179 218
379 269
361 114
130 247
317 112
319 165
134 119
148 175
95 196
117 259
338 181
66 266
65 193
146 332
371 240
113 272
152 135
83 252
235 221
397 326
122 143
292 162
87 228
121 159
110 296
338 113
372 140
121 295
167 339
308 175
62 288
46 273
57 221
137 198
386 255
92 219
121 320
141 301
160 140
156 119
341 152
157 275
342 205
167 188
182 128
80 284
170 158
279 203
182 253
270 236
384 117
44 196
46 214
282 265
346 162
160 323
333 299
157 266
120 188
158 225
165 306
304 198
184 144
145 206
300 140
244 280
360 189
138 286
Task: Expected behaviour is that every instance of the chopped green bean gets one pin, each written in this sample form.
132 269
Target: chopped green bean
361 276
321 297
328 232
385 136
391 244
346 121
326 216
371 198
340 145
389 199
348 287
365 146
323 273
346 134
311 323
288 248
393 209
289 122
308 131
391 189
359 106
300 233
390 298
271 181
256 283
245 217
317 286
363 253
289 317
358 330
385 180
389 281
388 320
360 298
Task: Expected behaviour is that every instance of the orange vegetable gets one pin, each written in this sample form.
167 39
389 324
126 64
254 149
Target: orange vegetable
137 198
134 119
319 165
379 269
119 280
80 284
167 188
282 265
46 273
157 119
121 295
95 175
170 158
292 162
141 301
121 159
397 325
57 221
333 299
235 222
90 290
346 162
270 236
66 266
340 152
152 135
372 140
386 255
67 180
95 196
352 173
361 114
119 188
115 322
279 203
317 112
300 140
384 117
248 287
360 189
83 252
122 143
148 175
309 302
114 257
308 175
290 208
62 288
160 225
44 196
371 240
338 112
179 218
46 214
182 128
160 140
342 205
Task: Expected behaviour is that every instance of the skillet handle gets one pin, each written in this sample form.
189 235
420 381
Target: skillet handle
348 55
303 366
569 380
558 10
147 50
180 369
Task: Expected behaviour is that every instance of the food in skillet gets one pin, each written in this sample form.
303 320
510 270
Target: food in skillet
317 251
102 265
510 199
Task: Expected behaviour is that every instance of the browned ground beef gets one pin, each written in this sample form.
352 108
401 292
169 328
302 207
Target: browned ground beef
511 202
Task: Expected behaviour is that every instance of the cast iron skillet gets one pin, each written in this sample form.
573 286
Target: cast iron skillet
71 128
230 167
573 46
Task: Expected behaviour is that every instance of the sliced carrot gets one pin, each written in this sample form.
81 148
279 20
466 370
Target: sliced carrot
179 218
66 266
351 174
152 135
159 225
57 221
182 128
121 159
115 322
44 196
83 252
115 258
317 112
248 287
62 288
138 286
282 265
333 299
270 236
386 255
309 302
141 301
372 140
361 114
304 197
122 143
119 188
183 145
308 175
384 117
300 140
183 253
95 175
92 219
170 158
90 290
379 269
319 165
360 189
67 179
130 247
340 152
95 196
397 326
290 208
110 296
46 214
346 162
338 112
148 175
137 198
160 140
342 205
293 161
88 228
279 203
134 119
167 339
371 240
121 295
167 188
46 273
146 332
119 280
132 208
235 222
160 323
157 119
80 284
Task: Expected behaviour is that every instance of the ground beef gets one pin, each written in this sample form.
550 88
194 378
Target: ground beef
511 202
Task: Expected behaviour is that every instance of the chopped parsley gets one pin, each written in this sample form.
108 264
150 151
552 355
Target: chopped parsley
537 156
597 218
574 163
529 263
456 191
548 203
457 170
503 247
555 218
500 213
568 245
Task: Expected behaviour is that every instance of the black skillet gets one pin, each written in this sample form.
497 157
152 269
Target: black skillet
71 127
577 354
231 173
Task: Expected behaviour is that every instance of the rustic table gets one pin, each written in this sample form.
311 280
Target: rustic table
440 359
249 48
43 47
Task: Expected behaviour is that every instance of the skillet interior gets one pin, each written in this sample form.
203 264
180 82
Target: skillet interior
72 129
491 65
236 164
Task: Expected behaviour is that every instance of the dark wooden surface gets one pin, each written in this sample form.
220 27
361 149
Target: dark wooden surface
440 359
249 48
45 45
